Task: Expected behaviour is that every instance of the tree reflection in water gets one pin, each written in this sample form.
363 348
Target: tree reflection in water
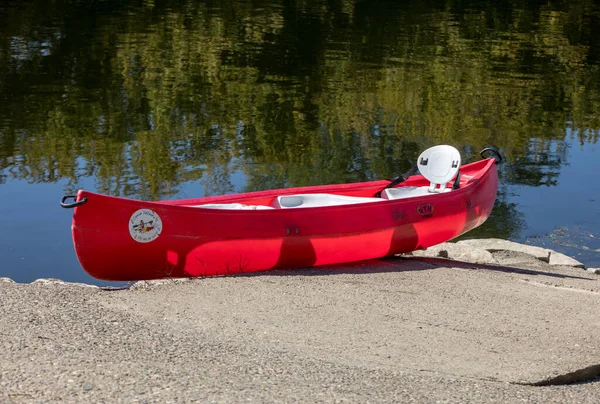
148 98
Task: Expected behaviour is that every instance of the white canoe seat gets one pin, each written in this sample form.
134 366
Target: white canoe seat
408 192
232 206
315 200
439 165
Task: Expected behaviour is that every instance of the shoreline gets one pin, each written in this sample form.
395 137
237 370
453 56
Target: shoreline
420 328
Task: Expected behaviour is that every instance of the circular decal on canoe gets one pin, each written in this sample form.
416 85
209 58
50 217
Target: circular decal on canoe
425 209
145 226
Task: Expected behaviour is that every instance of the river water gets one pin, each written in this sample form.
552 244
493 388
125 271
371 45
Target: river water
154 99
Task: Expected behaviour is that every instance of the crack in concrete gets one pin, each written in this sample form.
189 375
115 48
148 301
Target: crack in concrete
554 286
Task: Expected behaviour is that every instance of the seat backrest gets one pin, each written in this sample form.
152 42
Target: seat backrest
439 165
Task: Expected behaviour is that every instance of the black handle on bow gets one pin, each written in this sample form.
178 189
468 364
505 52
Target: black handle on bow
64 199
494 151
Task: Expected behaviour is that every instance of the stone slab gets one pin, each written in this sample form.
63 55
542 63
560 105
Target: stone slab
458 252
395 330
544 254
557 258
506 324
495 244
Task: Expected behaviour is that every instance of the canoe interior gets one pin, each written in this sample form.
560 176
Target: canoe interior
361 189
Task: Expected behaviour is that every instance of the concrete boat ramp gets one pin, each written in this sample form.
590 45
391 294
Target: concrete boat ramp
514 326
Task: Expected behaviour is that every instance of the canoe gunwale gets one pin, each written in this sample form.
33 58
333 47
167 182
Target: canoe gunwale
192 204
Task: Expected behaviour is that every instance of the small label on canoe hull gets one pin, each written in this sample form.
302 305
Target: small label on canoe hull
145 226
425 209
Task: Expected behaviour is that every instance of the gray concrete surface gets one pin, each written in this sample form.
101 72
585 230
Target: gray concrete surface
404 329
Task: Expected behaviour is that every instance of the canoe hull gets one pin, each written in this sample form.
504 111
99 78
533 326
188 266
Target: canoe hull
186 241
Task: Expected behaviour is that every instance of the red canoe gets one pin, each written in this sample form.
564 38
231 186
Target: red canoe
122 239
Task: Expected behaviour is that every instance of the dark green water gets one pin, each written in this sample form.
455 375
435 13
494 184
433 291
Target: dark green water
174 99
